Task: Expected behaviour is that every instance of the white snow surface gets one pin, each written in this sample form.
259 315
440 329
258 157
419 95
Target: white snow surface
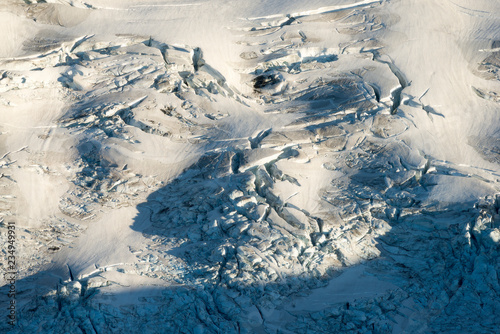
269 166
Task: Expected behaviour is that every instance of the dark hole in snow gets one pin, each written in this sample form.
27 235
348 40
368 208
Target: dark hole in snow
265 80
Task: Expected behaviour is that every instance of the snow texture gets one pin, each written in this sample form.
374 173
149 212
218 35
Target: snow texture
251 167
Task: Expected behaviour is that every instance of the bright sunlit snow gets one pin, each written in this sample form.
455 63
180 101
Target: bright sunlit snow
268 166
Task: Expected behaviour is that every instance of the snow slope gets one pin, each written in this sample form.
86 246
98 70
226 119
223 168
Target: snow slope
252 167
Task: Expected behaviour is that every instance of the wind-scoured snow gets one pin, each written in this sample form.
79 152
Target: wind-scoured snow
254 167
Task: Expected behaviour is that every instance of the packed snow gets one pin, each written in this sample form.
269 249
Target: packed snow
270 166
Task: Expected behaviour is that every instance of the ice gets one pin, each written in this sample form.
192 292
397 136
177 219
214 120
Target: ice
264 167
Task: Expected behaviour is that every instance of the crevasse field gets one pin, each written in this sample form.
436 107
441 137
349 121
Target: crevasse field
264 166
